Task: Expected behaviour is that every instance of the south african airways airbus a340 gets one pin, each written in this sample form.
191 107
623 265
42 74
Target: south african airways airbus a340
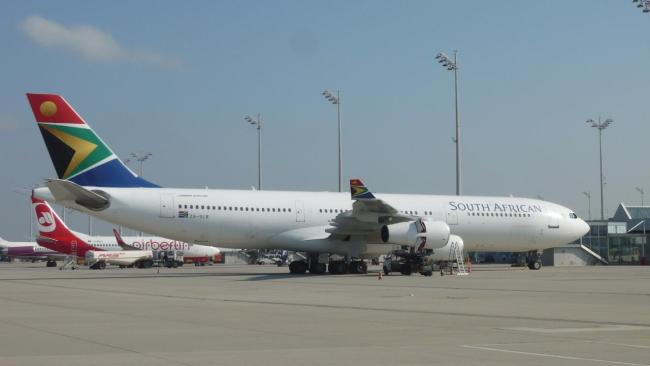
92 179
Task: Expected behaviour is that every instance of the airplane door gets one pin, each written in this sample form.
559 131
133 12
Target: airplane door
452 218
300 211
167 205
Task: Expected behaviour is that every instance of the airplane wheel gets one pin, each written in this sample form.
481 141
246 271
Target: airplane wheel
338 267
406 270
102 265
359 267
318 268
298 267
537 265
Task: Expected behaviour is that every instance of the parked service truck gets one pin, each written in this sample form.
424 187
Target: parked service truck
98 259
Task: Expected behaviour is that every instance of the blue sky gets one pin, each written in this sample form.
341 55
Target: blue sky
176 80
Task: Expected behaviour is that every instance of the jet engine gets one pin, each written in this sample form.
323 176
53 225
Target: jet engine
444 253
419 234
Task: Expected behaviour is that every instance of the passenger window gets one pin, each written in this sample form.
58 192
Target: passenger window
289 209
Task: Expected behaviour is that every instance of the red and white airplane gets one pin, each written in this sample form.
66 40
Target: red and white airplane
55 235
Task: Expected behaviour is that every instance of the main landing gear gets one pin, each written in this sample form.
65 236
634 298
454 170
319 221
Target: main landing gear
534 260
316 266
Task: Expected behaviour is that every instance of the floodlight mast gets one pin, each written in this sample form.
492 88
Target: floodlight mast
257 122
641 192
336 99
601 125
452 65
588 195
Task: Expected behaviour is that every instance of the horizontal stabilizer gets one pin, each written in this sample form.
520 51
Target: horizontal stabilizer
64 190
44 239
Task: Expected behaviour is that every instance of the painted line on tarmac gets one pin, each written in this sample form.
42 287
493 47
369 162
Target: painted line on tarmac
607 328
620 344
551 355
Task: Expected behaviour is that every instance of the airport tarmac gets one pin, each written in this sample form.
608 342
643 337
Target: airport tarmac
260 315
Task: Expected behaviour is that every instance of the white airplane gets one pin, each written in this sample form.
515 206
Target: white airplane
94 180
54 234
30 250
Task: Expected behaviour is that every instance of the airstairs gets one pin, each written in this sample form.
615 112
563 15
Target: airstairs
456 254
70 261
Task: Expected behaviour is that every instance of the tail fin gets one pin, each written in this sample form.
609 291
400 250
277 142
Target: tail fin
359 191
122 243
78 154
48 222
54 234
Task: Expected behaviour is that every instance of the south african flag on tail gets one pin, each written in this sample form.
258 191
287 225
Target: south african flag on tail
78 154
359 191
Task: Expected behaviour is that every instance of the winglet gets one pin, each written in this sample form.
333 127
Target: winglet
358 190
121 241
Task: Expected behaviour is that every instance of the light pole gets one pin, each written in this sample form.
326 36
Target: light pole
601 125
643 4
452 65
257 122
30 210
336 99
588 195
140 158
642 192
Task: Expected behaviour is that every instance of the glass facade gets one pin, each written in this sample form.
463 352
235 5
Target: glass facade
612 242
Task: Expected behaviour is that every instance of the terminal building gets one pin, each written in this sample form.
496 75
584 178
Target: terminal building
620 240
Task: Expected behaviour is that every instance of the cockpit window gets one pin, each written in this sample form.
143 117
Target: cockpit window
573 215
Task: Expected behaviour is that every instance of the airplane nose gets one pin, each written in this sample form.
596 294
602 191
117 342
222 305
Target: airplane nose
583 228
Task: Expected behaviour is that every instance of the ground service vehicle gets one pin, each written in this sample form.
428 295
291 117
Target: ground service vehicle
98 259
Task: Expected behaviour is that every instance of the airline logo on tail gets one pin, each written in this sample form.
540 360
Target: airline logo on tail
54 234
73 146
44 218
78 154
359 191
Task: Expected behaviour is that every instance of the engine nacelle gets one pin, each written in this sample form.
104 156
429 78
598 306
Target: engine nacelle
419 234
444 253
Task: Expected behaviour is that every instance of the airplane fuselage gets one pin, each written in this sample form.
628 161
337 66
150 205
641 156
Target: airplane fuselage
298 220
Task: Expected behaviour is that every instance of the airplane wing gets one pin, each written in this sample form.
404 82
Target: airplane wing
122 243
368 214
